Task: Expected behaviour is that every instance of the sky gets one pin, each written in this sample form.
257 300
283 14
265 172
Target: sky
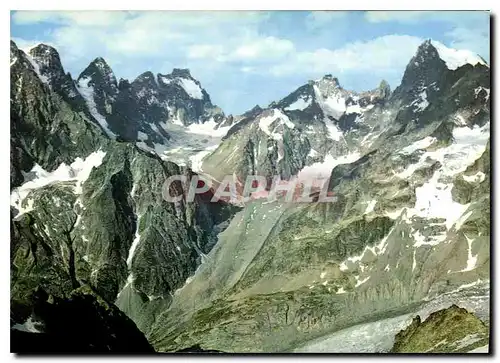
244 58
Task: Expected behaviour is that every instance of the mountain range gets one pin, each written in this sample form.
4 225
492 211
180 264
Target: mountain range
91 231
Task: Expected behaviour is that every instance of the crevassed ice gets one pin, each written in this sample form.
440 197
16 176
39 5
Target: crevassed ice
208 128
187 144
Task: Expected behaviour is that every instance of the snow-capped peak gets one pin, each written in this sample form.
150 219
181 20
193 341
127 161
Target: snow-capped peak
181 72
99 69
182 78
102 66
455 58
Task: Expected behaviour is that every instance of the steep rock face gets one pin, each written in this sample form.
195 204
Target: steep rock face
81 322
110 229
97 85
432 90
88 210
445 331
188 101
48 63
45 130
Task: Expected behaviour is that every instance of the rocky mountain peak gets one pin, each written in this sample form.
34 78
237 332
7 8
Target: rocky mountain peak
426 52
181 83
48 61
146 79
14 53
384 86
99 72
254 111
45 52
424 68
123 84
334 81
181 72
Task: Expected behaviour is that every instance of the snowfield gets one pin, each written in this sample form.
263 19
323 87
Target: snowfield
77 171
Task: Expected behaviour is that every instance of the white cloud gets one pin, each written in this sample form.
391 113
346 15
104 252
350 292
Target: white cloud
203 51
468 29
388 53
476 39
141 34
268 47
256 49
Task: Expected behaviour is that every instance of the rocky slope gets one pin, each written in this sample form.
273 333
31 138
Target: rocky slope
88 210
83 322
448 330
410 170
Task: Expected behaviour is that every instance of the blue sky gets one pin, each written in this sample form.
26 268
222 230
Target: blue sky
248 58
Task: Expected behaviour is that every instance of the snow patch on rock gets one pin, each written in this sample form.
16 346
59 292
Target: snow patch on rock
418 145
87 93
476 178
299 104
77 171
276 118
135 243
471 259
